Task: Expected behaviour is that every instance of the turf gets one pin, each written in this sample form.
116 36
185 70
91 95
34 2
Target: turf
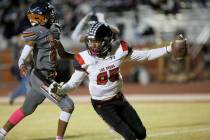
164 121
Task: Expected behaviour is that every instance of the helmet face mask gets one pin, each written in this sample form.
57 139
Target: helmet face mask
37 19
97 48
41 13
99 40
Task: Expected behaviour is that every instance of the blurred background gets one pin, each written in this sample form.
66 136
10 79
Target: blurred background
145 24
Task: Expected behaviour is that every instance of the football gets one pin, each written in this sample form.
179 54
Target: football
179 48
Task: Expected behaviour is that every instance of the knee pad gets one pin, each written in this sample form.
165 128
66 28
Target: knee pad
67 105
66 112
68 108
64 116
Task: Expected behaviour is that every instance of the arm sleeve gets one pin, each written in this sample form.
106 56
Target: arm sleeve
152 54
78 30
24 55
75 81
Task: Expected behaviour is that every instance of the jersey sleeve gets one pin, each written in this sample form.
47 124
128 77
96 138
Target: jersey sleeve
76 79
29 35
123 50
139 55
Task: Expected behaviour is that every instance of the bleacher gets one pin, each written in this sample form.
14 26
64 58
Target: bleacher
193 21
5 64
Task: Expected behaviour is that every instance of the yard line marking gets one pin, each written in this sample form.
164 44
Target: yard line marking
180 131
201 97
169 97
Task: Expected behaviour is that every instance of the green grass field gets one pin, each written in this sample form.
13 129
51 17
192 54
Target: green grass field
164 121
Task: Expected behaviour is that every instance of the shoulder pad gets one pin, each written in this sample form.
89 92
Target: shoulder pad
84 59
55 29
29 34
123 49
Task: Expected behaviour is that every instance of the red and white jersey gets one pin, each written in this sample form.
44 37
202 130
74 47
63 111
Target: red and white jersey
105 80
104 75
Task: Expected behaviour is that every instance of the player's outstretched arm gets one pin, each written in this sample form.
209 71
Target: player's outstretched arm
62 53
178 49
139 55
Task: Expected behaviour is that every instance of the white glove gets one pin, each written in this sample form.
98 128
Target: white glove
53 87
168 48
58 89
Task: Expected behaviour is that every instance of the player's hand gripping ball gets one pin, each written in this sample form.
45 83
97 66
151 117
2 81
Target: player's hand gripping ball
57 89
179 48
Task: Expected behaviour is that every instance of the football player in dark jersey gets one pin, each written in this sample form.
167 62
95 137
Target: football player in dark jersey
43 40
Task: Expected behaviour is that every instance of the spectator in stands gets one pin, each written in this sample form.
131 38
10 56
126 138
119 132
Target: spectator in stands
206 60
21 23
203 3
21 90
170 7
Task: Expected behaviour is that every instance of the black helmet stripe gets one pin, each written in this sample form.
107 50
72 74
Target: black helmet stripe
93 30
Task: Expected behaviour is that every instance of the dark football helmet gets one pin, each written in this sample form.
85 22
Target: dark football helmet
41 13
99 38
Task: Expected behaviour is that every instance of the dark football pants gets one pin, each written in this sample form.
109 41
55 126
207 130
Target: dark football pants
122 117
36 96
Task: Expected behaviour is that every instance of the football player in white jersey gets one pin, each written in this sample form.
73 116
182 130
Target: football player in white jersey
79 33
101 64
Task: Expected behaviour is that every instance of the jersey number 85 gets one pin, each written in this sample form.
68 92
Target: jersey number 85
103 78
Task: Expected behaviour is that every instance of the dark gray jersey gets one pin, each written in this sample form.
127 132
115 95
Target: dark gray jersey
44 39
45 56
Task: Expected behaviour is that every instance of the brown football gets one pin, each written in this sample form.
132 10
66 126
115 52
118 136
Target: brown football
179 48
